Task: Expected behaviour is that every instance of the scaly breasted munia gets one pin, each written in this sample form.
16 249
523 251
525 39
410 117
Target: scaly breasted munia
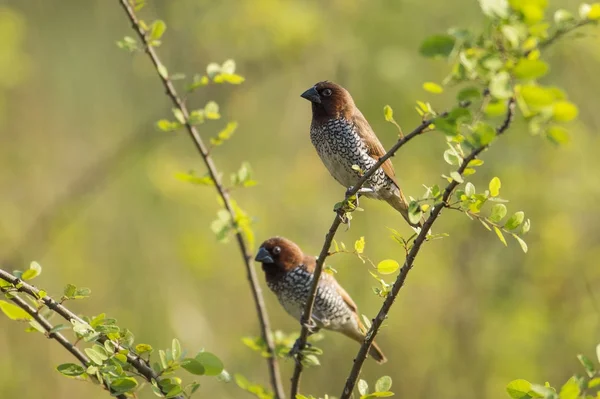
343 138
289 274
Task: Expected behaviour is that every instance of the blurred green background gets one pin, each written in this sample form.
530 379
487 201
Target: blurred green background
88 191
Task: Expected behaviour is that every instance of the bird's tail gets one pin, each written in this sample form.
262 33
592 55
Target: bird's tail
358 334
399 203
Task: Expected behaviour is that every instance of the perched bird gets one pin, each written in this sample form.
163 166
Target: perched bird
289 274
343 138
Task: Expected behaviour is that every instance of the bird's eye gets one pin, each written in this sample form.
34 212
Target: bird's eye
326 92
276 251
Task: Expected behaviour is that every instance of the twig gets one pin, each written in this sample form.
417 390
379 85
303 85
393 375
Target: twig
306 316
212 170
137 362
409 261
34 313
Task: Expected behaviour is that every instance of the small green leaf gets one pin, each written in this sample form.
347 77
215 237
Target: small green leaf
514 221
500 86
594 12
211 110
495 8
468 93
174 391
179 115
157 30
388 113
598 352
433 87
557 134
383 384
494 187
143 348
456 177
213 69
14 312
519 389
388 266
162 71
587 364
570 390
500 235
564 111
212 364
124 384
96 356
469 189
530 69
34 270
363 387
437 46
193 366
359 245
521 242
498 212
70 369
176 349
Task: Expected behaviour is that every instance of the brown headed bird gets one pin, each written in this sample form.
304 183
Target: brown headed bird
289 274
343 138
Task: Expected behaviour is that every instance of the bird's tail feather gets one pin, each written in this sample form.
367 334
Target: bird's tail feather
359 336
377 354
399 203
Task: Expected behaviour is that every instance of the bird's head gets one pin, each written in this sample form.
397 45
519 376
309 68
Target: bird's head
329 101
279 255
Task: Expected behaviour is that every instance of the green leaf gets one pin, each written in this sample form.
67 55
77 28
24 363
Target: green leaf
594 12
494 187
157 30
537 96
468 93
521 242
388 113
515 221
231 78
211 110
70 369
14 312
97 354
212 364
530 69
162 71
557 134
188 177
456 177
213 69
519 389
176 349
433 87
561 16
124 384
500 235
224 134
564 111
570 390
500 86
228 67
174 391
359 245
495 8
383 384
363 387
34 270
498 212
587 364
143 348
525 227
598 352
388 266
193 366
469 189
167 126
70 290
437 46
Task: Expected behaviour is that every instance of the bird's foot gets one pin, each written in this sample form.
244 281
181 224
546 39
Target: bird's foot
297 349
362 190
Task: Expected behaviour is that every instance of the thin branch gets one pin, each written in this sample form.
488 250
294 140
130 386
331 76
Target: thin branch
212 170
560 33
137 362
409 261
64 342
306 316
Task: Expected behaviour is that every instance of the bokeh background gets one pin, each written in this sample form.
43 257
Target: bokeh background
88 191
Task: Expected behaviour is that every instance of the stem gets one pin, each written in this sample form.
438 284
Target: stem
409 261
212 170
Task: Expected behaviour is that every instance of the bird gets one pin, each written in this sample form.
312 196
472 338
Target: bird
289 274
343 138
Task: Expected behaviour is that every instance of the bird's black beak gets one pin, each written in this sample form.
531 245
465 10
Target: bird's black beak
312 95
263 256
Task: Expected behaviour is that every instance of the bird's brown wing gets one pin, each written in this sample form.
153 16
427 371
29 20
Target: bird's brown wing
373 144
